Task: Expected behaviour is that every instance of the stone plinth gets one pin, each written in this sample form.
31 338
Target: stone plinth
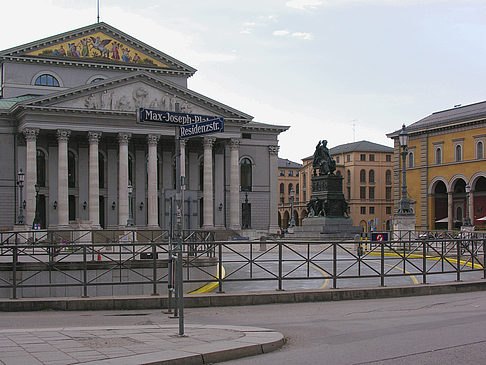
326 228
402 223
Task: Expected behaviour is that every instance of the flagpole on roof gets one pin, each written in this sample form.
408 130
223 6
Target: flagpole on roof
98 10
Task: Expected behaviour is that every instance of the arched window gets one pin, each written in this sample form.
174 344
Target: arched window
246 174
101 170
410 159
458 153
388 175
291 187
296 189
338 173
41 168
362 176
96 80
71 170
201 174
349 176
372 176
479 150
438 156
46 80
282 188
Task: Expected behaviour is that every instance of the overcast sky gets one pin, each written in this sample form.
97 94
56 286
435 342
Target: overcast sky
341 70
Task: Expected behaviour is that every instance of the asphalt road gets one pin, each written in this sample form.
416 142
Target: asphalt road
442 329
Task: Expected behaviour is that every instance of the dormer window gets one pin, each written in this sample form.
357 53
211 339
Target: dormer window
46 80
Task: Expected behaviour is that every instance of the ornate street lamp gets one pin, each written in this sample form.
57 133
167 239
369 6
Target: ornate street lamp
130 209
404 207
20 183
467 220
36 222
292 197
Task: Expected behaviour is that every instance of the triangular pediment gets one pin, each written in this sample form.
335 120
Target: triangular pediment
133 91
100 44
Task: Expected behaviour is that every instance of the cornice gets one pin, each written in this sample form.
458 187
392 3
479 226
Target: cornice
97 65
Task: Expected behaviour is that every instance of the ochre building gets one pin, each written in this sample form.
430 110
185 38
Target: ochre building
445 157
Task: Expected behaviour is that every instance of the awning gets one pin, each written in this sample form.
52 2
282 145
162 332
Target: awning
482 218
443 220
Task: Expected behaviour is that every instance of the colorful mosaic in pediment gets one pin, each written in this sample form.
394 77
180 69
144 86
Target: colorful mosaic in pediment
98 47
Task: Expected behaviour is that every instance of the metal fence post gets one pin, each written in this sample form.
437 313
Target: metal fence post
279 265
14 269
220 267
382 265
85 273
154 269
334 265
458 263
424 261
170 277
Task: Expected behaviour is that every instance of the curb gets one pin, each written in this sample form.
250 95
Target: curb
236 299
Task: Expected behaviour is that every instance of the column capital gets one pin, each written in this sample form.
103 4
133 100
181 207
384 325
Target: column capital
94 137
63 135
234 143
273 150
30 133
152 139
124 137
209 142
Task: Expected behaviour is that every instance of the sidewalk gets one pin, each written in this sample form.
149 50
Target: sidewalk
146 344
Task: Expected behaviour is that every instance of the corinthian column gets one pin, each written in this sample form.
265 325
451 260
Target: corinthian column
273 208
208 211
30 173
152 206
62 178
94 180
234 184
123 139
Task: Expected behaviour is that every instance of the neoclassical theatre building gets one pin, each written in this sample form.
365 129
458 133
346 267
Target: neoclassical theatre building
68 120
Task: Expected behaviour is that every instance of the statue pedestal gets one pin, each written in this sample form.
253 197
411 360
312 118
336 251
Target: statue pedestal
326 228
402 224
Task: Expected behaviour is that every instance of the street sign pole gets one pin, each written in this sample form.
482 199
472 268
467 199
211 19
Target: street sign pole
186 126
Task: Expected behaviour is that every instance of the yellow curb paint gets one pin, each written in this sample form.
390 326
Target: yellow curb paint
413 256
213 285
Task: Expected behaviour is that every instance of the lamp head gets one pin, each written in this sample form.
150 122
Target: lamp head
403 137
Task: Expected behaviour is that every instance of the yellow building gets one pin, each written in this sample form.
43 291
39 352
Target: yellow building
288 181
445 159
366 168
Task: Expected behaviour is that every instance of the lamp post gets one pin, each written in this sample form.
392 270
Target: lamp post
36 223
292 197
130 209
467 220
404 203
20 183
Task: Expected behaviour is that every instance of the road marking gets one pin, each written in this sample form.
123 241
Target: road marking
213 285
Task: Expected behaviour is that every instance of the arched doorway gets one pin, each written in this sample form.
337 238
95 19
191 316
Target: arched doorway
296 218
440 205
458 203
286 219
479 202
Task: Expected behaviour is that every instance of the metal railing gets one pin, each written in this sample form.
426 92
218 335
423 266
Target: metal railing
121 262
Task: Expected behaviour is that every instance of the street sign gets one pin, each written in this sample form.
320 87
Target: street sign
380 237
196 129
168 117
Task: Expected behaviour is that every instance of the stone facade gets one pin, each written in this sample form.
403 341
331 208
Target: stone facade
69 121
